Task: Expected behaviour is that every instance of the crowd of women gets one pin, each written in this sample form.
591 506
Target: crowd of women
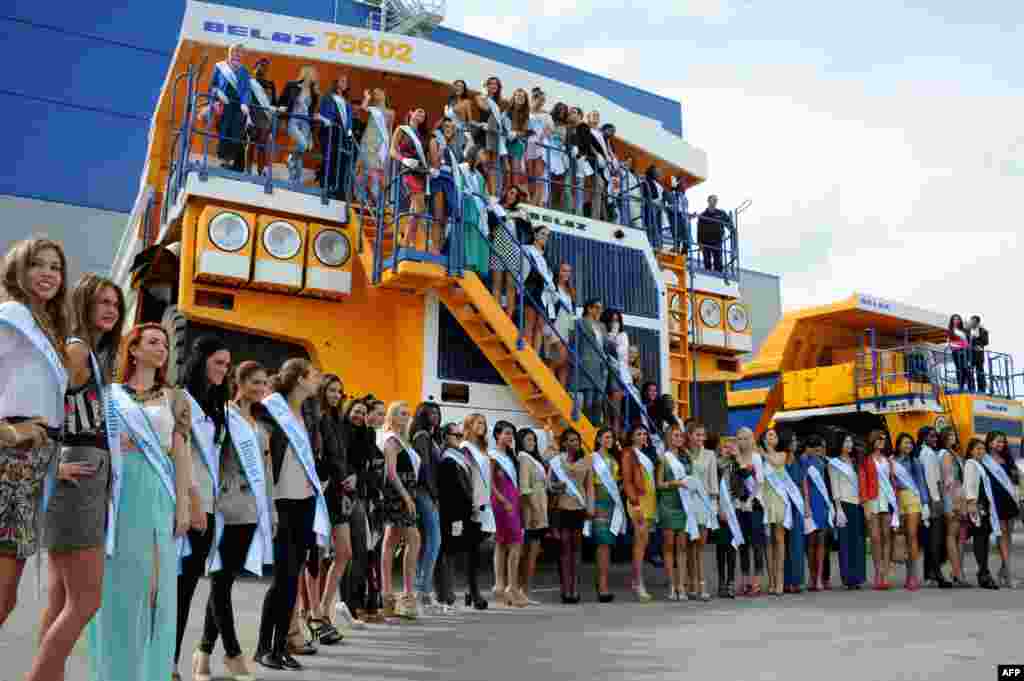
137 489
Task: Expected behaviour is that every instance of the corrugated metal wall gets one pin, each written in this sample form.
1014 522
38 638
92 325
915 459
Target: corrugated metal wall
617 275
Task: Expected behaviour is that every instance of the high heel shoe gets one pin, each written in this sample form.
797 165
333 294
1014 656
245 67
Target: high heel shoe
200 666
240 672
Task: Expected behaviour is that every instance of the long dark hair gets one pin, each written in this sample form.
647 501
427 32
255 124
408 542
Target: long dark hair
83 304
521 443
1010 468
563 440
421 420
498 429
922 436
212 398
325 408
900 438
453 97
953 318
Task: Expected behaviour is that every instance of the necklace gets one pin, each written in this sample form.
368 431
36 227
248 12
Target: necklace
143 396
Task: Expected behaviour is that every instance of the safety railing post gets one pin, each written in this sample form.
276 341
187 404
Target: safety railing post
521 285
326 163
270 153
578 394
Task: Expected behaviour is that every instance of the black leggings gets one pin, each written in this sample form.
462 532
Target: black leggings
981 541
291 546
193 567
452 549
752 525
473 538
220 615
725 558
352 589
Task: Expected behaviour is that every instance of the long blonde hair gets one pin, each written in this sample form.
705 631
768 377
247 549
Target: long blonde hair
389 419
83 302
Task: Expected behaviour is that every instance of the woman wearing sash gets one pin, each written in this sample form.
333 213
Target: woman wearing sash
1005 479
822 512
506 256
704 465
952 502
505 500
726 543
533 479
564 322
572 492
674 498
460 110
74 521
203 382
132 635
845 486
933 537
336 139
518 125
796 542
473 185
33 380
776 509
475 447
455 494
373 156
539 148
593 148
540 288
302 518
446 160
243 501
875 478
400 517
750 512
407 147
609 518
264 94
491 108
908 480
980 511
641 502
231 87
340 496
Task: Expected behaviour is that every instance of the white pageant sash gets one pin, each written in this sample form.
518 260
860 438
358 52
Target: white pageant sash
298 438
499 120
537 465
563 477
847 471
459 461
647 464
483 466
885 489
679 474
997 530
725 499
19 318
203 432
786 488
138 426
411 134
819 484
380 121
342 110
260 93
250 456
999 473
697 485
507 465
228 74
604 474
907 480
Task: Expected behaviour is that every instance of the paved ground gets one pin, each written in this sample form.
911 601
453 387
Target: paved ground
836 636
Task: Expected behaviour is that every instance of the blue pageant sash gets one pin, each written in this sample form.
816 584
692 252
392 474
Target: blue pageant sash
999 473
411 134
885 489
697 485
298 438
483 467
679 474
819 484
725 499
997 530
604 474
112 425
139 428
247 447
203 431
907 480
507 465
647 464
380 122
787 489
847 471
499 120
459 461
19 318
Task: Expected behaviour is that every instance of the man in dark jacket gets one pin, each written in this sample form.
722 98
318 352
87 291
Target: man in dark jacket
978 335
711 228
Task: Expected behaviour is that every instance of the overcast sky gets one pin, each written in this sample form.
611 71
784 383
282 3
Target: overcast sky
881 142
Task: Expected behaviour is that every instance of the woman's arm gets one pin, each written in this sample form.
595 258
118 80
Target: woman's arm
494 488
435 154
588 484
393 147
181 453
807 495
391 450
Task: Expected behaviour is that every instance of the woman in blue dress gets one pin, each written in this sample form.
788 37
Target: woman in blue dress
816 471
133 634
793 566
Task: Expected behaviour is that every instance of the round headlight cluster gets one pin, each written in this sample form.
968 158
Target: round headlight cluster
282 240
332 248
229 232
737 318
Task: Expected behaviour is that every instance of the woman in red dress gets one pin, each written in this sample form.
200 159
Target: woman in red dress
408 147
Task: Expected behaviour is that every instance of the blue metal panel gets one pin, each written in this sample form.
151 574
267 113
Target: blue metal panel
986 424
741 417
458 357
56 153
618 276
754 383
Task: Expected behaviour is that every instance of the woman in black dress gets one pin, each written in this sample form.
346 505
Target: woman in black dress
1004 478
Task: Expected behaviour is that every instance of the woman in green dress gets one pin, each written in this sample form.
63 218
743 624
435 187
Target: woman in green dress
671 475
473 185
609 509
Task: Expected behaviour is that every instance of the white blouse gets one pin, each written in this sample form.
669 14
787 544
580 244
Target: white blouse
27 384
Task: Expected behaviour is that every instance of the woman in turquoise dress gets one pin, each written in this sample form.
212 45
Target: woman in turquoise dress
132 635
796 545
474 211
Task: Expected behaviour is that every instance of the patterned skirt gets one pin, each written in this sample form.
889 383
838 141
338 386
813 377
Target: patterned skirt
22 472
